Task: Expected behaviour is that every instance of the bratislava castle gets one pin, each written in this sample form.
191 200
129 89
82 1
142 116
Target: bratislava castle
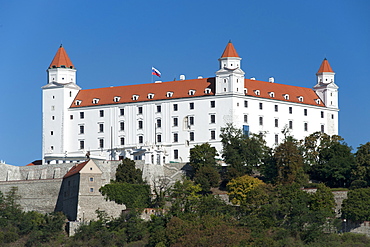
159 122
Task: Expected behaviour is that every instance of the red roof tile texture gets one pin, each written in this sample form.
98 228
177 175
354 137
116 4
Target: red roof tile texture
75 169
230 51
180 89
325 67
61 59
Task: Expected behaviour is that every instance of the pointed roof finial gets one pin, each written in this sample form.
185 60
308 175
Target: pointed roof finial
230 51
325 67
61 59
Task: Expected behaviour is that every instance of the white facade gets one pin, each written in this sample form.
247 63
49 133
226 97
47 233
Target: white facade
162 130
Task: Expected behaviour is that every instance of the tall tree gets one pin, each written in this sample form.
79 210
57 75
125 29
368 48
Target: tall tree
362 170
239 188
357 206
126 172
241 152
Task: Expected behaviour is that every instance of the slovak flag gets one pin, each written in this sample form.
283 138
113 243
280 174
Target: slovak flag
156 72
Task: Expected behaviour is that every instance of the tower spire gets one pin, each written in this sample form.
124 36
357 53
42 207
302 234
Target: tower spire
229 51
61 59
325 67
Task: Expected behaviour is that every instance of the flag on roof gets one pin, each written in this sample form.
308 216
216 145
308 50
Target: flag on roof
156 72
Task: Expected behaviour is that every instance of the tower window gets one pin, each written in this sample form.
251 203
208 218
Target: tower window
175 137
191 120
122 140
159 138
140 110
121 126
82 144
140 123
159 123
101 127
213 118
141 139
175 121
213 135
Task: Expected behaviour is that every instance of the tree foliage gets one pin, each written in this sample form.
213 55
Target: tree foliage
126 172
239 188
357 206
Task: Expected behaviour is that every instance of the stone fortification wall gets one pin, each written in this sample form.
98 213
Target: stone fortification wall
36 195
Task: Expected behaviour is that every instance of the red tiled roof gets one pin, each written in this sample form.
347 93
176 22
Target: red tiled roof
267 89
75 169
61 59
230 51
325 67
181 89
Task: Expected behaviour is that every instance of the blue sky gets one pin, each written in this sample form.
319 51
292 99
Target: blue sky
115 43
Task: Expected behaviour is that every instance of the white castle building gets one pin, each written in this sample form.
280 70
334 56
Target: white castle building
159 122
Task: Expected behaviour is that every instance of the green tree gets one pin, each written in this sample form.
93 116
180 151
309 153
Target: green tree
242 153
126 172
362 170
207 177
357 206
185 196
289 163
323 201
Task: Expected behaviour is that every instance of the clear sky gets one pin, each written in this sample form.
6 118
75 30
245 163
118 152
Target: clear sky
115 43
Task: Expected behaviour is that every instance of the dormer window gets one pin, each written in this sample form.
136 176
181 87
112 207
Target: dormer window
78 102
317 101
300 98
257 92
116 99
207 91
286 96
272 94
135 97
169 94
191 92
95 101
150 95
245 90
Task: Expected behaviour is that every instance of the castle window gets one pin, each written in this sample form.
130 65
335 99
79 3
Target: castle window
305 112
140 110
82 115
116 99
261 120
122 112
175 121
191 120
300 98
322 114
159 138
53 108
191 92
317 101
82 144
290 110
276 122
175 107
176 154
91 189
332 116
191 136
290 124
207 91
245 90
91 179
159 108
276 108
52 117
51 132
95 101
261 106
101 113
245 118
175 137
141 140
322 128
159 123
140 123
150 95
121 126
191 106
71 117
213 135
305 127
101 127
101 143
122 140
272 94
276 139
286 96
245 103
213 118
78 102
135 97
169 94
82 129
257 92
